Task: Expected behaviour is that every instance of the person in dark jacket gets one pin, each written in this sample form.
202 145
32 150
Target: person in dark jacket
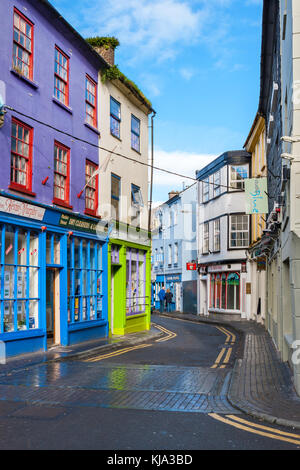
162 296
169 296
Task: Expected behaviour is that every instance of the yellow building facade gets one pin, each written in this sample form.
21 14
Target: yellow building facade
256 145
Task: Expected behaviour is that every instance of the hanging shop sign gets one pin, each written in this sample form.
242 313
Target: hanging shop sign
22 209
261 263
256 196
191 266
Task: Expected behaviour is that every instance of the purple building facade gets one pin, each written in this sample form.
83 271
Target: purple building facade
53 255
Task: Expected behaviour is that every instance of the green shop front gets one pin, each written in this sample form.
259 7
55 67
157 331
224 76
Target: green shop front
129 281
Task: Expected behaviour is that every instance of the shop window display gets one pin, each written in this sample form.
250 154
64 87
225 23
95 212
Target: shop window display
19 295
84 280
135 281
225 291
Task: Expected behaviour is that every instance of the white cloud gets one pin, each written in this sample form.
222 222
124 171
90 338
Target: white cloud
183 163
157 27
186 73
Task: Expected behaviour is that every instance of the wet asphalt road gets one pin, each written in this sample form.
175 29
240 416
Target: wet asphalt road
168 395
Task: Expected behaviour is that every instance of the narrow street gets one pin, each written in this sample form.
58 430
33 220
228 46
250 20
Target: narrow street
166 394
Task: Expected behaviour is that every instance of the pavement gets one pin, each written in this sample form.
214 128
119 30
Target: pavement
261 385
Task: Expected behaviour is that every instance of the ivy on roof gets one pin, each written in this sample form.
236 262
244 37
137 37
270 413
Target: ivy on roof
113 72
102 41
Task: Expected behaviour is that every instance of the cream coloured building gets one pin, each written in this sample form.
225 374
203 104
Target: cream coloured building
122 184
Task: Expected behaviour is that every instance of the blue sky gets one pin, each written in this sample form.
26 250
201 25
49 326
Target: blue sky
196 60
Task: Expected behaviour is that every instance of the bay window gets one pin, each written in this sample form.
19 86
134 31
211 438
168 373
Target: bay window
237 175
238 231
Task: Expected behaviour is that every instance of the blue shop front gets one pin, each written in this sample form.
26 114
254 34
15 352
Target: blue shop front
53 277
172 282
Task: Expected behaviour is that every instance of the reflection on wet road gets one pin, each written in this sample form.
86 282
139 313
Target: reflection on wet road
148 385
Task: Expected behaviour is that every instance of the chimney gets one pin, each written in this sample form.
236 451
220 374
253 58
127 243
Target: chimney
173 194
107 52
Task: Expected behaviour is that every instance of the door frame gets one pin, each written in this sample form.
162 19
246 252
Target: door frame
56 305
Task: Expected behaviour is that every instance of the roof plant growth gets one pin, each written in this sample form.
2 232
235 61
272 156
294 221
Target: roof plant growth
113 72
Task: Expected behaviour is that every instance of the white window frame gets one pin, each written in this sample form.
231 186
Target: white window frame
175 253
239 221
169 254
236 184
217 183
205 245
217 235
205 190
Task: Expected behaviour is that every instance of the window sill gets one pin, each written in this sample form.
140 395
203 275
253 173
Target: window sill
92 214
235 248
19 189
116 137
64 204
25 79
63 106
92 128
136 151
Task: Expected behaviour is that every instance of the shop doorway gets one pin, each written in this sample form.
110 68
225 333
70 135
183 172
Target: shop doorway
52 307
115 295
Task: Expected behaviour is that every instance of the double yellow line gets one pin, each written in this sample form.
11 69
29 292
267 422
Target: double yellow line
258 429
221 362
116 353
170 334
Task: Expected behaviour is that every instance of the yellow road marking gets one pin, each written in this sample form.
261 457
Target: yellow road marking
233 336
260 426
169 333
227 356
116 353
228 336
250 428
218 358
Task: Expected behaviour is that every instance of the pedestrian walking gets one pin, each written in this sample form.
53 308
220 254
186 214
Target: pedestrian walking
169 296
162 296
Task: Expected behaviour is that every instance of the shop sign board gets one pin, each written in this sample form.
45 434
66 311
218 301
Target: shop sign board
173 278
256 196
22 209
80 224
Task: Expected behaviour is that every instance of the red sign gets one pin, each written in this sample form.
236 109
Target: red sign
191 266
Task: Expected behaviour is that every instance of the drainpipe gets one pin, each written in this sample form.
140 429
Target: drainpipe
151 174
